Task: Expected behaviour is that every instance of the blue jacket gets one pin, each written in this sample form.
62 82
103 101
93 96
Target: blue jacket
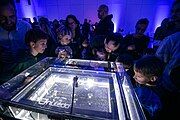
150 99
169 52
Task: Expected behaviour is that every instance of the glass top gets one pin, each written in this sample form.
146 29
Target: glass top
51 80
18 82
53 90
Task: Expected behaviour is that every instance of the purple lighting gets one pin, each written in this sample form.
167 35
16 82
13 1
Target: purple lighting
125 12
115 9
27 11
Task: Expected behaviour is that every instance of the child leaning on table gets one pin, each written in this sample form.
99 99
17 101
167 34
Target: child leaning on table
148 74
36 40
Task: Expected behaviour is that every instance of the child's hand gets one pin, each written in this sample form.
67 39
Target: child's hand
131 47
28 79
63 55
85 43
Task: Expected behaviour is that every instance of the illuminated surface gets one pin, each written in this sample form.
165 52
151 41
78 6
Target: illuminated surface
53 90
97 94
57 91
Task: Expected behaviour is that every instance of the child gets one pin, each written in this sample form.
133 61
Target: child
36 41
66 49
86 50
127 61
148 71
99 53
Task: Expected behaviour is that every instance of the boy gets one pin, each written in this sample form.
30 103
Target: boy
148 71
36 41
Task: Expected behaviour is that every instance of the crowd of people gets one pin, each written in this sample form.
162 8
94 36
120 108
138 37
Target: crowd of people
153 71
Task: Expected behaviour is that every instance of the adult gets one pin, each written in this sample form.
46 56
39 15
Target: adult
105 25
12 34
137 43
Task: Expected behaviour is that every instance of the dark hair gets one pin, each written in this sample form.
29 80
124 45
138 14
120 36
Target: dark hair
142 21
149 66
104 7
33 35
115 37
99 49
72 17
149 51
43 20
63 30
77 30
126 60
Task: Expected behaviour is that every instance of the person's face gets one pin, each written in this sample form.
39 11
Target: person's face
176 13
72 24
8 18
100 13
141 28
40 45
65 40
101 55
110 47
140 78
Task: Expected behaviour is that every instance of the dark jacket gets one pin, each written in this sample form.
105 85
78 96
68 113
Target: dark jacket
25 60
169 52
105 26
150 100
113 55
141 44
165 31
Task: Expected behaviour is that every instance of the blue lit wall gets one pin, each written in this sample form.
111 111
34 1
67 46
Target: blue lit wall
24 10
125 12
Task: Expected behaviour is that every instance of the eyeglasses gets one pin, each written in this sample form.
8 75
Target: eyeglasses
71 23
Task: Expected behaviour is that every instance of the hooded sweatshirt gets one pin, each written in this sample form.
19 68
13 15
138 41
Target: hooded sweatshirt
105 26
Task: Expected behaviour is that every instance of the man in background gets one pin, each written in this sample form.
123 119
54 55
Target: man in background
105 25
